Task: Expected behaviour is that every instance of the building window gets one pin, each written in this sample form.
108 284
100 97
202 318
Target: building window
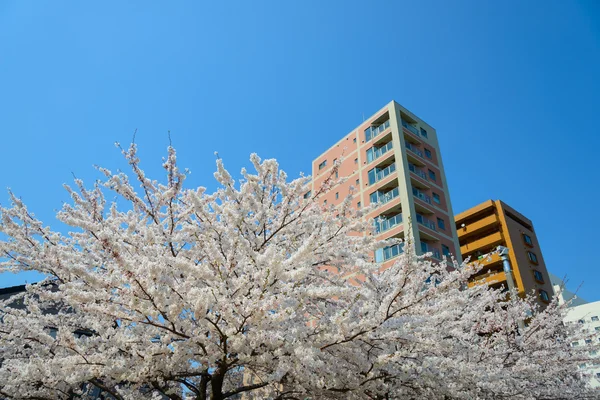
575 344
355 161
598 375
581 321
595 318
436 197
527 239
538 276
428 153
354 140
423 133
445 250
324 202
544 295
532 257
358 205
588 341
357 182
337 195
307 194
337 173
441 224
334 161
323 165
598 328
431 175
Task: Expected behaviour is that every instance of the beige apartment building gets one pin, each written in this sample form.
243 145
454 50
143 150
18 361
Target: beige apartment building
490 224
393 159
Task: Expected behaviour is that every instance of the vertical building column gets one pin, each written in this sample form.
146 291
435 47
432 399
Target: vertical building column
411 230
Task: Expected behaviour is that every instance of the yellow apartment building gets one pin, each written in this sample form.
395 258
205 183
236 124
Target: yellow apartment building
490 224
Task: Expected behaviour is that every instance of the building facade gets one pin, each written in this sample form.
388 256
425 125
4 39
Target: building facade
486 226
393 159
588 315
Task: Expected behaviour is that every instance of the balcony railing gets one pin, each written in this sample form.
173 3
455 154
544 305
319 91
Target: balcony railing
414 149
382 198
422 196
389 223
426 222
411 128
374 153
376 174
373 131
388 252
425 248
417 171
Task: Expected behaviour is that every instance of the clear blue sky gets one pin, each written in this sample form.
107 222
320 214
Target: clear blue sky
512 87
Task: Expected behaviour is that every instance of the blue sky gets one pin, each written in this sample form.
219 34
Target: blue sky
512 87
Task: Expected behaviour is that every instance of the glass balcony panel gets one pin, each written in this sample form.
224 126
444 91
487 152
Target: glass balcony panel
382 198
389 223
426 222
414 149
388 252
417 171
373 131
376 174
422 196
411 128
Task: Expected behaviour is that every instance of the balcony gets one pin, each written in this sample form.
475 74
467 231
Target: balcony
485 242
413 168
386 253
388 223
377 174
375 152
382 198
492 276
477 226
421 196
487 260
414 149
426 248
373 131
426 222
410 128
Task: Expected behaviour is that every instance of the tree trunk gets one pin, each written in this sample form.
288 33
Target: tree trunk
203 386
216 384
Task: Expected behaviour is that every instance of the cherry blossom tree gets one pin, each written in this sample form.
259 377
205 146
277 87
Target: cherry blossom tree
174 293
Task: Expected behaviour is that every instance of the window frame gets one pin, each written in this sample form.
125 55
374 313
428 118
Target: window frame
544 296
442 226
423 131
431 174
444 248
539 279
434 195
322 165
428 153
527 239
534 259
